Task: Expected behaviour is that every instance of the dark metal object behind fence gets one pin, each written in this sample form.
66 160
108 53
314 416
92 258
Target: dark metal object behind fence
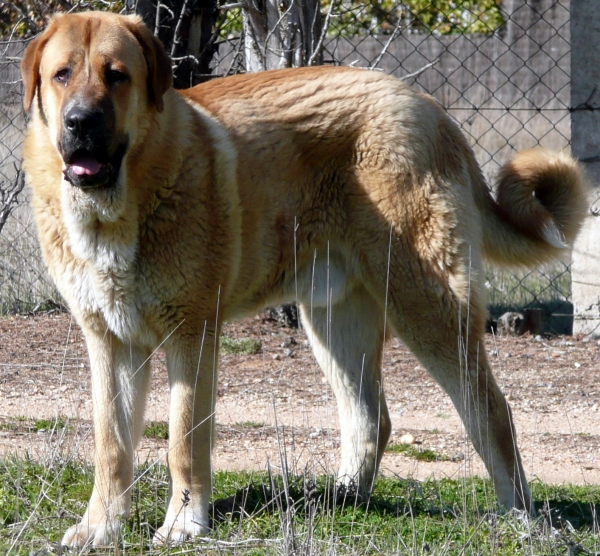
508 89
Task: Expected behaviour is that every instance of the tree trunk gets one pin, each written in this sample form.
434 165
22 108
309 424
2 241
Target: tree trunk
185 27
281 34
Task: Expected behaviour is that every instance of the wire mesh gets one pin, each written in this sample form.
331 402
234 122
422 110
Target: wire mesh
501 70
24 283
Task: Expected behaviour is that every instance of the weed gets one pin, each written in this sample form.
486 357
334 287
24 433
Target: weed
412 451
157 429
251 424
24 424
8 426
53 424
242 346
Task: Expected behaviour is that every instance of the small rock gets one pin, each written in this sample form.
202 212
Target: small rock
407 439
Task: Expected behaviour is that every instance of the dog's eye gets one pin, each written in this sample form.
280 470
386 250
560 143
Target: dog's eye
62 76
114 76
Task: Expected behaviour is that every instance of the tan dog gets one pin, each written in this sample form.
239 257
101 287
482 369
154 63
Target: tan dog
162 214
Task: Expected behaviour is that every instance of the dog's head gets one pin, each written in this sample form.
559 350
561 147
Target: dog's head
94 78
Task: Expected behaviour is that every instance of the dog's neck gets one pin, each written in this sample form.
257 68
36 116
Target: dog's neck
105 228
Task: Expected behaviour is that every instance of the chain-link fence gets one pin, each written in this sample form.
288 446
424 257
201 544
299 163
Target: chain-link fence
501 70
24 283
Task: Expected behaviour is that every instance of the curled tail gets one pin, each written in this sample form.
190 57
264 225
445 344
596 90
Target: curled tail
542 198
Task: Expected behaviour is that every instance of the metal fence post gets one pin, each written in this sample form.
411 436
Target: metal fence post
585 144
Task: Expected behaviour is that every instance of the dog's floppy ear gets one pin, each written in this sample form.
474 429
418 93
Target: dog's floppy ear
160 73
30 66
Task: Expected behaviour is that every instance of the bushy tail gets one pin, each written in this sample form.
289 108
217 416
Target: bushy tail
541 201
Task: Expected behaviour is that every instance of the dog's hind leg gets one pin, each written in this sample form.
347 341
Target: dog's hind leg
347 340
120 377
192 368
440 316
459 364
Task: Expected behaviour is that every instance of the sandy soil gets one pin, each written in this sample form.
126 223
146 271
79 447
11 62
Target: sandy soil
274 407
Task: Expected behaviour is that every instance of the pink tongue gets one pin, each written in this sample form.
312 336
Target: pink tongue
86 166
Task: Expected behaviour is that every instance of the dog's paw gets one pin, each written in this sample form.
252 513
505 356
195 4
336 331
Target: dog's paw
179 531
85 533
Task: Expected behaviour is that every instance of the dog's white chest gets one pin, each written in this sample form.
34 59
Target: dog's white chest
99 292
109 286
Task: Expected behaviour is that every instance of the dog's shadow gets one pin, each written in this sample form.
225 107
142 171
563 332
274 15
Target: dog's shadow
305 498
570 515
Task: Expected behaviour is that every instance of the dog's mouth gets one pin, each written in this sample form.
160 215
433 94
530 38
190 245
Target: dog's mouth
84 165
86 170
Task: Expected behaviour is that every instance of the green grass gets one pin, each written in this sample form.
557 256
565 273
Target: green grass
259 514
54 424
250 424
414 452
21 423
241 346
157 429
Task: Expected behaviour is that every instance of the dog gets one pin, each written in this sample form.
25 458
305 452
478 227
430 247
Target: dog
162 213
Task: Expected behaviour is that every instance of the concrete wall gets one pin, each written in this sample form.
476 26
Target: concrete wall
585 144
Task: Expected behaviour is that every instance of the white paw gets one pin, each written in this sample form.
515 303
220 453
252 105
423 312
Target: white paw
105 533
181 530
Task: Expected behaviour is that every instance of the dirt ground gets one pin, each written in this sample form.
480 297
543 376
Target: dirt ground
275 408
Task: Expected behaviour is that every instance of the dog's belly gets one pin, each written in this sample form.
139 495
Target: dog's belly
324 282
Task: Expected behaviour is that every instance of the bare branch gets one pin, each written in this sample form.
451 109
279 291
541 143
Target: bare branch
421 70
280 52
9 196
177 33
157 18
387 45
161 6
236 56
226 7
319 46
187 57
254 56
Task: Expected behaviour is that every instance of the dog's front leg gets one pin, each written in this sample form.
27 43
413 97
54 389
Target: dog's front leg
120 374
192 366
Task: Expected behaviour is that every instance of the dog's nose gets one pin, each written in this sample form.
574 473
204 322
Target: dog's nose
80 122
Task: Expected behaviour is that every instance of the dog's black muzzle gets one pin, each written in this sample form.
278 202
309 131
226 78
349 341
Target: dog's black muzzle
90 151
